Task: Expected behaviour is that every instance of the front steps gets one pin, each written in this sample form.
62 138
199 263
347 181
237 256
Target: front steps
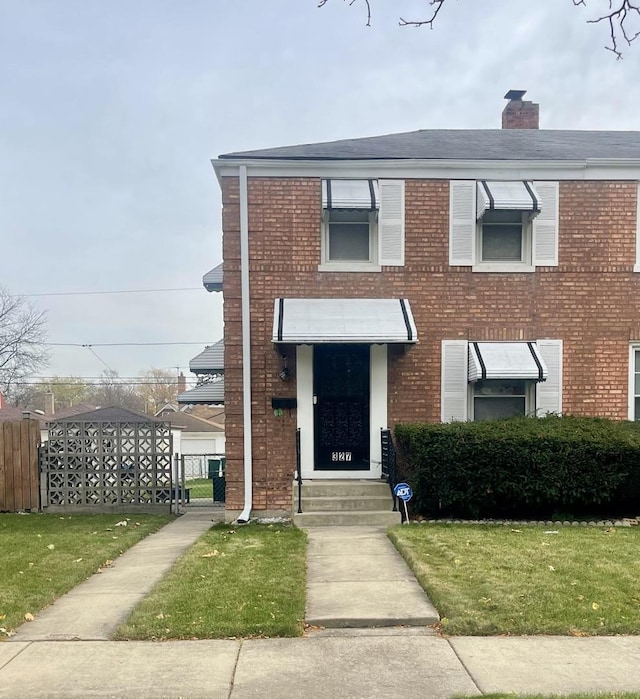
344 503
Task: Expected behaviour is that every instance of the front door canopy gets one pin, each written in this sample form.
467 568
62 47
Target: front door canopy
368 321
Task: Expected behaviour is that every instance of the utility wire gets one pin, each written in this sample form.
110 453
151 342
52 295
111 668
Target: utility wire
120 344
118 291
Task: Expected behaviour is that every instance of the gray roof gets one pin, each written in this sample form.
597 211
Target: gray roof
208 393
210 360
110 414
467 144
212 280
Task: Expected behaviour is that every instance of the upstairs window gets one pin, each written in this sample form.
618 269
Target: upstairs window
497 226
362 225
505 211
350 235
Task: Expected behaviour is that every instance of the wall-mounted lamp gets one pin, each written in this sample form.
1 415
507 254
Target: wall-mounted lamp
284 373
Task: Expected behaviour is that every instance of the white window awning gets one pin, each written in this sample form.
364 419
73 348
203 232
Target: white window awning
369 321
506 196
506 360
350 194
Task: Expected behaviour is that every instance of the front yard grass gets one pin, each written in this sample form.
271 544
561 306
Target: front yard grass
44 556
487 580
246 581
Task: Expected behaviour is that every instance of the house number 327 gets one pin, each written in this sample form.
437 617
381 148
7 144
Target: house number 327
340 456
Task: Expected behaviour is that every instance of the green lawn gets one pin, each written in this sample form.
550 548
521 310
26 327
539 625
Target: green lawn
44 556
200 488
487 580
244 581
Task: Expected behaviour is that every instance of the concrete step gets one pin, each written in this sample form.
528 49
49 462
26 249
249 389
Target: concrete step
382 503
347 519
347 488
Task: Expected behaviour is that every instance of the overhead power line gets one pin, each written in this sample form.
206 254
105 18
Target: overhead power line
117 291
121 344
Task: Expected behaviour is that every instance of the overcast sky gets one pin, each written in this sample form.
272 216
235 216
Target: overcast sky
110 111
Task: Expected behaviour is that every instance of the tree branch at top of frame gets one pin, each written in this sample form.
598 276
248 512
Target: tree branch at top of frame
620 17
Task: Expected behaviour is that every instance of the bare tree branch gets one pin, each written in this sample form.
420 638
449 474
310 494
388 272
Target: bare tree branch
618 19
622 14
22 336
322 3
436 4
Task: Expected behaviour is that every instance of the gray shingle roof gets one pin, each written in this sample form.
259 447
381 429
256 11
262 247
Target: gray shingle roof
210 360
110 414
468 144
212 280
208 393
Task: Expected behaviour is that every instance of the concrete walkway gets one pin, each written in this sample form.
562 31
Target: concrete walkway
368 583
356 578
93 610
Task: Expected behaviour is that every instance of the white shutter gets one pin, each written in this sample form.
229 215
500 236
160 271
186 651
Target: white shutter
549 392
462 222
545 225
454 383
637 265
391 223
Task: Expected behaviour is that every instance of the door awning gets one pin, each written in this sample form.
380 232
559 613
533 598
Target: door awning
506 360
350 194
369 321
509 196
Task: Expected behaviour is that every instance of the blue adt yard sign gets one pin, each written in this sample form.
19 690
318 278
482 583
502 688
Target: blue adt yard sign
403 492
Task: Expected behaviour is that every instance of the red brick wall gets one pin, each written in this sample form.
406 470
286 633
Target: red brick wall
589 301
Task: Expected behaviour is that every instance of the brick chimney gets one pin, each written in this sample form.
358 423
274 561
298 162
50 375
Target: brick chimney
49 403
182 383
518 114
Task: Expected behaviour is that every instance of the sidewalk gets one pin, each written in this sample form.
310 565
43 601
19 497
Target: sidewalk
355 578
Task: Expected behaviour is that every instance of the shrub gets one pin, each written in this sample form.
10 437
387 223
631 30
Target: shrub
522 466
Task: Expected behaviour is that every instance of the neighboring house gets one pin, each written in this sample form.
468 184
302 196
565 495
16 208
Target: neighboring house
208 366
436 275
8 413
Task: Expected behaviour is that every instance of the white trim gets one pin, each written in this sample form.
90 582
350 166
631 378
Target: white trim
589 169
633 347
304 410
377 414
349 267
377 407
246 348
637 265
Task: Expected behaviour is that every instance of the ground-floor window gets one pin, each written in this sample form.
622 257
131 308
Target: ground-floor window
501 398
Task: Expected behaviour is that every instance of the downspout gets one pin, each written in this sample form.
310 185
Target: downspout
246 346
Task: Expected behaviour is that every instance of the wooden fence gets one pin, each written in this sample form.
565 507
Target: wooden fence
19 482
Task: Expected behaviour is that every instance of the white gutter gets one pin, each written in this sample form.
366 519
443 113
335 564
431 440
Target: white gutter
246 346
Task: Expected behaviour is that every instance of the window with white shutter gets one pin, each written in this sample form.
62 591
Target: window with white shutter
549 392
503 226
454 384
490 380
362 225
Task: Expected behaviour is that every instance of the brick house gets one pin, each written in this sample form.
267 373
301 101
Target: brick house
428 276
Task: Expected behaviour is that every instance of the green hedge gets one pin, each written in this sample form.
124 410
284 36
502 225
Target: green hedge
523 467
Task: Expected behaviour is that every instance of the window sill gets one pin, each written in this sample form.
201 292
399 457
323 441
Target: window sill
349 267
636 268
502 267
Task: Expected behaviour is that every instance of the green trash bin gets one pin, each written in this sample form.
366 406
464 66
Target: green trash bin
216 474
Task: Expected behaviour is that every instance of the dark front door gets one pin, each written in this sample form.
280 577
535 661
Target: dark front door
341 407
